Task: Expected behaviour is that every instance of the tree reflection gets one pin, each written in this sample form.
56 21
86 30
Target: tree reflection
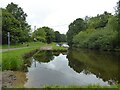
103 64
43 56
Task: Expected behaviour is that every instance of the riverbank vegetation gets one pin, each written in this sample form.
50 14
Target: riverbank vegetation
14 60
100 32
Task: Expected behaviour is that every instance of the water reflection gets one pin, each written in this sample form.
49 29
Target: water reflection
77 67
43 56
104 65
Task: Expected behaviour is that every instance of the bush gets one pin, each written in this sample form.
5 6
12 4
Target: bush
96 39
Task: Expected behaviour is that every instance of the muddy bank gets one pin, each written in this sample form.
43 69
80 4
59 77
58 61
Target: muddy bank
11 79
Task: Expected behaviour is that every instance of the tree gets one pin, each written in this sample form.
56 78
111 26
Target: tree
63 38
74 28
40 35
10 24
99 21
57 36
50 36
118 25
17 12
60 37
20 15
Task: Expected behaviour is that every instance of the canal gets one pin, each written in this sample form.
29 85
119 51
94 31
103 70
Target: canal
75 67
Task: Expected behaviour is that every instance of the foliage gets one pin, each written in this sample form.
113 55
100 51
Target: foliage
118 23
60 37
57 36
39 35
99 21
16 11
14 21
9 24
101 33
96 39
63 38
80 39
74 28
50 36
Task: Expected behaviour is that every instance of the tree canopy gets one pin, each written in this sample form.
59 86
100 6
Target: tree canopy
50 36
14 21
99 32
74 28
39 35
60 37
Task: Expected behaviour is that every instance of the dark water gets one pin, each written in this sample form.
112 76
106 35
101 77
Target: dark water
76 67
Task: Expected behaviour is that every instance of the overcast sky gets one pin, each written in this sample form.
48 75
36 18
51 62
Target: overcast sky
58 14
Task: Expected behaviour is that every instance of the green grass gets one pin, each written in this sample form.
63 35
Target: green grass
84 86
13 60
71 87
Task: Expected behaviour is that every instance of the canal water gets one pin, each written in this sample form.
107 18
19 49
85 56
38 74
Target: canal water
75 67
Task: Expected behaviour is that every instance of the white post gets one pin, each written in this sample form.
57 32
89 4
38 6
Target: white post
8 40
35 34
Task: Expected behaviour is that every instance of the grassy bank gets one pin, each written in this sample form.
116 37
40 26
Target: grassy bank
13 60
84 86
71 87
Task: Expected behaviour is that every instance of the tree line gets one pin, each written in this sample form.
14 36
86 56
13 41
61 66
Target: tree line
48 35
14 21
98 32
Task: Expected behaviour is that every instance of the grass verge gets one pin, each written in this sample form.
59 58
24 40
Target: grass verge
13 60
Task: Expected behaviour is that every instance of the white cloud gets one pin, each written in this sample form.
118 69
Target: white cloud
58 14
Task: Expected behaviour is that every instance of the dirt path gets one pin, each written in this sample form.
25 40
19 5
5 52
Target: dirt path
13 79
46 48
